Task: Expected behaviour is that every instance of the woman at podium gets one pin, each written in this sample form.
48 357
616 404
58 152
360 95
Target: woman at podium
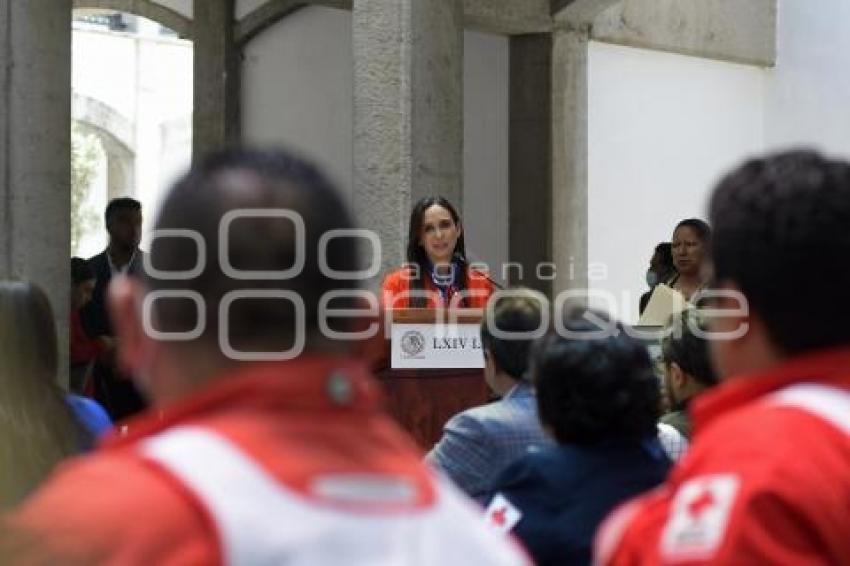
436 274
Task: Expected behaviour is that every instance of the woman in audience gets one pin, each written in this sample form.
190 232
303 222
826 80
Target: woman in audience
436 274
687 368
598 397
691 246
83 351
661 269
39 424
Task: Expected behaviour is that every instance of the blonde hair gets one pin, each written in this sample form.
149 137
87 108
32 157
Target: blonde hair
37 427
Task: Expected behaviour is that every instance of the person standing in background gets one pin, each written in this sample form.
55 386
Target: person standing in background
122 255
83 351
691 246
661 270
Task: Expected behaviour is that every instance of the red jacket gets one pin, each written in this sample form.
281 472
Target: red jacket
766 481
396 284
291 459
82 349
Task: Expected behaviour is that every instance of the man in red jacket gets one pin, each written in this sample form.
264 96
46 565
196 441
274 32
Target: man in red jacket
767 479
267 444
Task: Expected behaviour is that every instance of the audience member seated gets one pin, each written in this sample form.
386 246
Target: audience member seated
598 397
479 442
687 367
437 273
691 246
767 477
37 427
259 457
661 269
83 351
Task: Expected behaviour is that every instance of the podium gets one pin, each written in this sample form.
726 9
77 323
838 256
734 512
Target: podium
422 399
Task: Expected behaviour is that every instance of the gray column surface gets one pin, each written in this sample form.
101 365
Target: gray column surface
408 112
569 159
530 193
35 151
215 117
728 30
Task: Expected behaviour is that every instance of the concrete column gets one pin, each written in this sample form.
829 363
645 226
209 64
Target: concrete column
408 111
573 22
35 149
569 158
216 118
530 237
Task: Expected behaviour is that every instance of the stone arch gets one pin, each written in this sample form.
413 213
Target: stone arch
268 14
117 135
171 19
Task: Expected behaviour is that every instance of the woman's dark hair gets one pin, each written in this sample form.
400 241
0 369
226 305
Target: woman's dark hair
701 227
37 427
81 271
515 313
685 346
664 251
417 255
594 385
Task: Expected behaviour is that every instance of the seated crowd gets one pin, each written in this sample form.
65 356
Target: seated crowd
732 449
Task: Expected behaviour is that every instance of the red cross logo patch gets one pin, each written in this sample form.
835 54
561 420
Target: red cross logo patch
699 516
501 514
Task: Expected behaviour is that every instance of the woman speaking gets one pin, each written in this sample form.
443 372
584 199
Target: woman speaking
436 274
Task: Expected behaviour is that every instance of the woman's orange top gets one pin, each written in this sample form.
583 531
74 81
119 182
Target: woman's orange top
397 284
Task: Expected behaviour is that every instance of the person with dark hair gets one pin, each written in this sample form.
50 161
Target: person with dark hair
767 478
691 246
267 443
83 351
661 269
598 397
123 218
479 442
687 367
39 426
437 273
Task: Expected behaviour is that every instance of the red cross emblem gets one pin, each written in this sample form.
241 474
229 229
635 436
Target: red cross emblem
498 516
700 504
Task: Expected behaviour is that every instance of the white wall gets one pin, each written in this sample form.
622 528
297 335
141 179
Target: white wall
662 128
808 93
298 88
148 81
298 91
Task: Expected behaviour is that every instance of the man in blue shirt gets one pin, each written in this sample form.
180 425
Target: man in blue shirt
480 442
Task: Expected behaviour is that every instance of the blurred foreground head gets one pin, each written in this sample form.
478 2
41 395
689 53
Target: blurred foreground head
782 238
237 269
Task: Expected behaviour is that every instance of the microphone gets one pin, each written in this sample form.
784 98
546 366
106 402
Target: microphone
462 261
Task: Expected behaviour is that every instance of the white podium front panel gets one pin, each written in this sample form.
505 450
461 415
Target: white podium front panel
436 346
